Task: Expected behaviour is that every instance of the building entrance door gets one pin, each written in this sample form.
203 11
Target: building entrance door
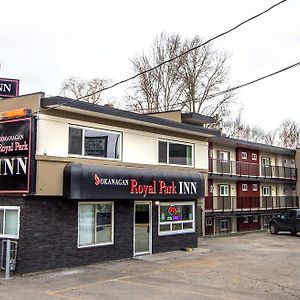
142 228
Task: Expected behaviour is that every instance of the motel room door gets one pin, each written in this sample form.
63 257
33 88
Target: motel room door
142 236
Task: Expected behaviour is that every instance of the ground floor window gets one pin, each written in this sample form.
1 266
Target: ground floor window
176 218
9 221
224 225
255 219
208 221
245 219
95 223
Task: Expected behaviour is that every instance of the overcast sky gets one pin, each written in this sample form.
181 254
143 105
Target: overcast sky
44 42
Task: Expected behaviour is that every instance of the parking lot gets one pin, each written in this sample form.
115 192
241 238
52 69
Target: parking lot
249 266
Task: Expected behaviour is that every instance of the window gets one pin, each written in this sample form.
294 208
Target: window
244 155
284 162
266 191
9 221
285 190
223 155
211 188
211 153
293 188
265 161
254 187
224 190
208 221
94 143
255 219
175 153
95 224
292 162
224 225
245 219
176 218
292 214
244 187
254 156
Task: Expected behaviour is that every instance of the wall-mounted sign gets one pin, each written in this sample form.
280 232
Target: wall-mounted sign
9 88
15 153
102 182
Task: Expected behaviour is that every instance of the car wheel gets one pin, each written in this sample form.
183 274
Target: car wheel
273 229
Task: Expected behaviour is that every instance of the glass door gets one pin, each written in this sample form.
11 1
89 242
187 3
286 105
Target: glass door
142 228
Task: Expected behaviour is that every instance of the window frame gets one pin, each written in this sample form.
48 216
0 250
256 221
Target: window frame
245 219
222 186
267 187
254 156
183 231
168 154
244 155
10 236
225 154
254 187
208 222
264 160
112 225
84 128
225 221
255 219
244 187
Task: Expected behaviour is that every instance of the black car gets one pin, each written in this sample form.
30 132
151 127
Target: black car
289 220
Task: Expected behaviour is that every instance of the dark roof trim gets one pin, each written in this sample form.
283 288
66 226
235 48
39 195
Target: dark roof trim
251 145
70 103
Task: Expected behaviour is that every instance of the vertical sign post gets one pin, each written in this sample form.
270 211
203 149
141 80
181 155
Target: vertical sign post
7 259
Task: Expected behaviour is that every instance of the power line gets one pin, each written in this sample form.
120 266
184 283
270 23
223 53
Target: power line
167 61
247 83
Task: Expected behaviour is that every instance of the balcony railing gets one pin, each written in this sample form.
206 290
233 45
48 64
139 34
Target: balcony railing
236 204
239 168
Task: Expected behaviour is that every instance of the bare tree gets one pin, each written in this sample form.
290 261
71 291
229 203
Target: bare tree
289 134
237 128
186 83
158 90
75 87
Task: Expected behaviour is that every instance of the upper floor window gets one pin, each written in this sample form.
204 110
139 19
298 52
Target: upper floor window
244 187
224 190
244 155
265 161
223 155
9 222
175 153
266 191
254 156
94 143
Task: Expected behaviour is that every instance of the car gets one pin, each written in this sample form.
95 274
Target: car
289 220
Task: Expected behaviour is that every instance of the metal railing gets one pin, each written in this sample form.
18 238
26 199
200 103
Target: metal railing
234 203
239 168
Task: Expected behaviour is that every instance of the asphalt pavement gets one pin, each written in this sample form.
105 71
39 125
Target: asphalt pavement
250 266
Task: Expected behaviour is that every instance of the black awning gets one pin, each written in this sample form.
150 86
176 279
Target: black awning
82 181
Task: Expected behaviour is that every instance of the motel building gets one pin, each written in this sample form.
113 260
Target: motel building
82 183
248 183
